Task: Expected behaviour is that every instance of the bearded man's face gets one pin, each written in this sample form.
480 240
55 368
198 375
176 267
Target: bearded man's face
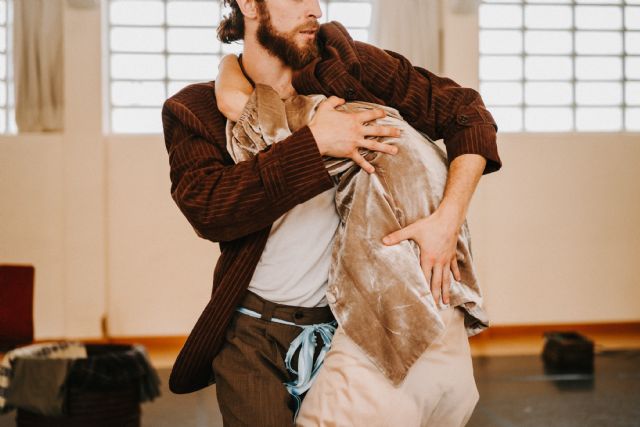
295 47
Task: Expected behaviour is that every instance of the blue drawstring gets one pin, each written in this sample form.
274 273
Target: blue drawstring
306 342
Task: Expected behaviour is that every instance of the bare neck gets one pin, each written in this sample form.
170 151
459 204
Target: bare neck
264 68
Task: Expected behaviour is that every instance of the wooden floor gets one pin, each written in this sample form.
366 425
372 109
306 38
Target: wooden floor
514 389
520 341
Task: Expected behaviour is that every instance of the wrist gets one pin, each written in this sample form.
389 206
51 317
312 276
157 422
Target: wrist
314 132
451 216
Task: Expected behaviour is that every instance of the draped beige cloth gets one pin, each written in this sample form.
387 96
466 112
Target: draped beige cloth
378 293
39 65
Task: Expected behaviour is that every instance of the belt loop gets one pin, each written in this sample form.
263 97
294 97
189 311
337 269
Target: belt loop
268 307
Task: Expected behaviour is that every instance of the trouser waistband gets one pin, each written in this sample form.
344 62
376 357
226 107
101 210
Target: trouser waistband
298 315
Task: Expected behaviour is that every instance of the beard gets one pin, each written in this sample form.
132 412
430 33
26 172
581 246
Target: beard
283 45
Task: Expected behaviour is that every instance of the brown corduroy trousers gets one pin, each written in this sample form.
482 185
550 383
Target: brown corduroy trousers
250 369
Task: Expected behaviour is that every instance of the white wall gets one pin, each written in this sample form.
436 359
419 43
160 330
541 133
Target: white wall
556 232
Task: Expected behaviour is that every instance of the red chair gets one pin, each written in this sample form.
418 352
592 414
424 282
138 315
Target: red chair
16 306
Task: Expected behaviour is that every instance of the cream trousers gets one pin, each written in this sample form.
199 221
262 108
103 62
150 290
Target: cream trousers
439 390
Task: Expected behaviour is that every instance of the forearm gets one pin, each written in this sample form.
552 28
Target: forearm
464 174
225 201
232 88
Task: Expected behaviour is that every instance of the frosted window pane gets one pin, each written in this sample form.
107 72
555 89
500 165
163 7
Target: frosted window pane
148 12
192 67
548 93
507 119
632 119
598 93
3 39
550 1
130 66
598 17
501 93
499 16
598 42
3 66
632 67
137 93
196 40
548 68
598 119
137 39
136 120
323 8
599 68
548 119
175 86
632 93
600 1
235 47
632 18
3 12
548 16
548 42
500 68
504 41
3 94
632 43
350 14
12 98
3 120
193 13
360 35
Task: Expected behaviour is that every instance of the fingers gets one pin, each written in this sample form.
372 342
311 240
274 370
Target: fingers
376 130
455 269
360 161
436 283
397 237
427 267
446 283
331 103
378 146
368 115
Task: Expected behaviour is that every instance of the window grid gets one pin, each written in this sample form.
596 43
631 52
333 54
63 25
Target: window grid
523 106
7 104
136 114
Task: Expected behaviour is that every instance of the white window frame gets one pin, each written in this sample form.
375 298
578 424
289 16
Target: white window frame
223 49
573 55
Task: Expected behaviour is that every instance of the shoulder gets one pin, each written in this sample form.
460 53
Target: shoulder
336 43
195 106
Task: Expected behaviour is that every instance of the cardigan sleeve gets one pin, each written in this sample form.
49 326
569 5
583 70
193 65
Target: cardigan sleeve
224 201
436 105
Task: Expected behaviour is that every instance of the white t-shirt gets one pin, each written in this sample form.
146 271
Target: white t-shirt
294 266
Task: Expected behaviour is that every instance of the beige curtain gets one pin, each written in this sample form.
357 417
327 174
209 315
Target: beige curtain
409 27
38 65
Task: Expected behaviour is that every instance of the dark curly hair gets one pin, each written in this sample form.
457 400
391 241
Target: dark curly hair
231 27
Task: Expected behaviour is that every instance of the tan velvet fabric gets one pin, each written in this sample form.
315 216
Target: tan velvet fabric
378 293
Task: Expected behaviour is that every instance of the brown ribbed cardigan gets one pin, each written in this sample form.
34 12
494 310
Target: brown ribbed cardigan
236 204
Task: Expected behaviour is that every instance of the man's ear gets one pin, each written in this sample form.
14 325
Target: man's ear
248 8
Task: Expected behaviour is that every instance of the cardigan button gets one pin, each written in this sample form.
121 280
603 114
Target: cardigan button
350 94
463 119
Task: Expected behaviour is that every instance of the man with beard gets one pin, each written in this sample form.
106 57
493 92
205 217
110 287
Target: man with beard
274 214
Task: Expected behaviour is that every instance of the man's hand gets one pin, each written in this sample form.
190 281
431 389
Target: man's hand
436 236
339 134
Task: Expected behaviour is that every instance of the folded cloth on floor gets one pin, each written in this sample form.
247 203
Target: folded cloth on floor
112 369
37 377
37 386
